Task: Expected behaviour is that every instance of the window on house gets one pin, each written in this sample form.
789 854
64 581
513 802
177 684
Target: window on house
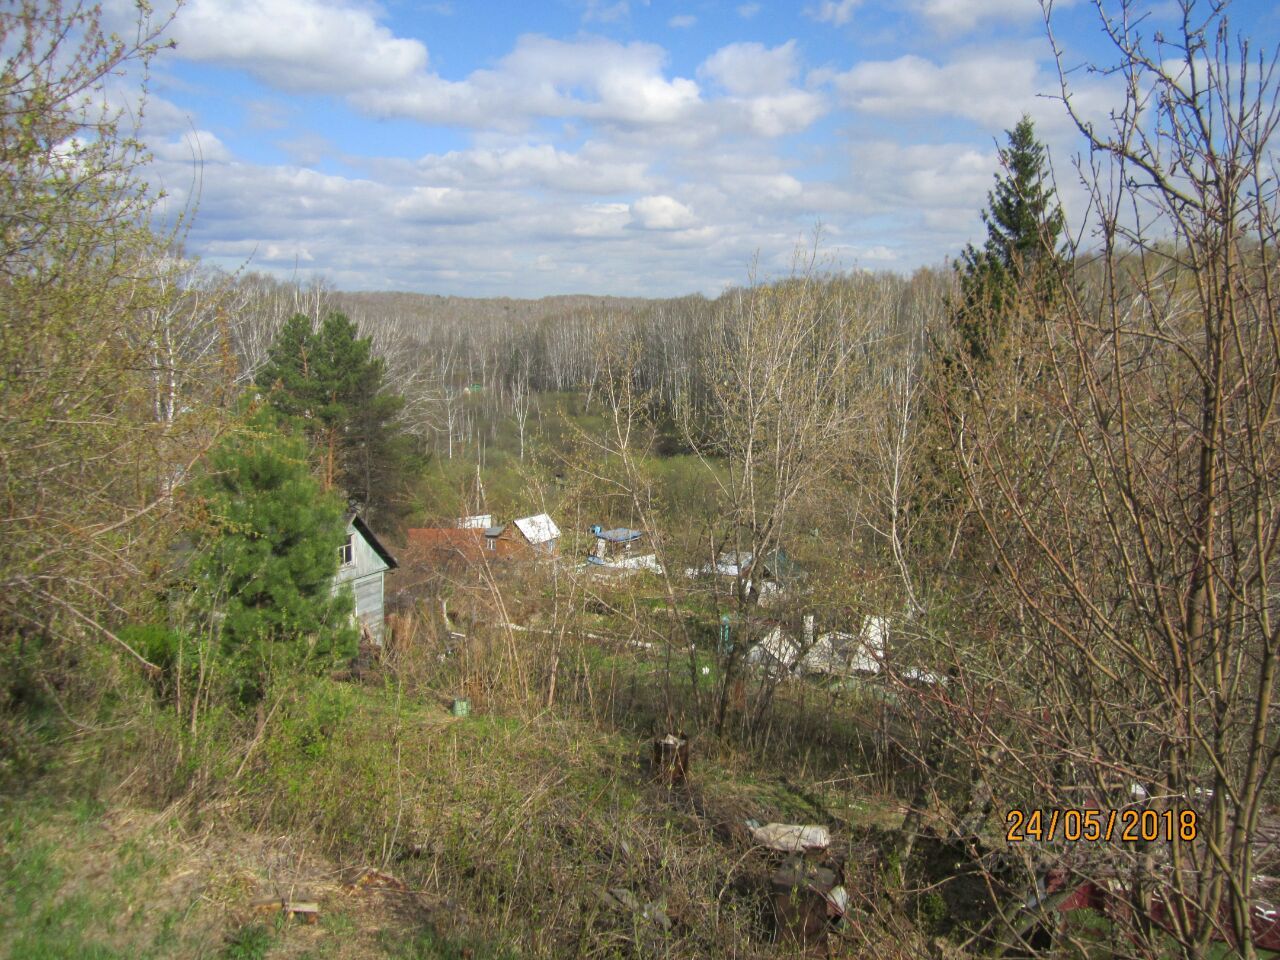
491 543
347 552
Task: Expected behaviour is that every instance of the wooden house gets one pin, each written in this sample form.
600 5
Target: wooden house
362 566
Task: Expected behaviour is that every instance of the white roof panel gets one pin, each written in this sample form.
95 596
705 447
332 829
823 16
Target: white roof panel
538 529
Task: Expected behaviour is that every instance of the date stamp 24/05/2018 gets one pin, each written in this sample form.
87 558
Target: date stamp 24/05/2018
1099 826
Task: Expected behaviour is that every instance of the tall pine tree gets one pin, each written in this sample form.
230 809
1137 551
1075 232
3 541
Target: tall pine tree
330 379
1019 258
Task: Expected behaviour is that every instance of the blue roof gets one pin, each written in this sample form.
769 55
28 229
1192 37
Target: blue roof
620 535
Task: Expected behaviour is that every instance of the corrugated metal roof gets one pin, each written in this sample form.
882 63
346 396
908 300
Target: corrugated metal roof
538 529
620 535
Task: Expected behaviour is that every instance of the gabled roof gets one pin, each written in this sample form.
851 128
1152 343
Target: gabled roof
362 528
538 529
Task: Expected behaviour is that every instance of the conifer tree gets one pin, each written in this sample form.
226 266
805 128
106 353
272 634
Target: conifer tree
288 374
265 563
330 379
1024 223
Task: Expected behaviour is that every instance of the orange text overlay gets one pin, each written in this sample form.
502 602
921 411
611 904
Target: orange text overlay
1092 826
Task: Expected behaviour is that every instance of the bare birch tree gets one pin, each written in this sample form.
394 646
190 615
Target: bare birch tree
1126 477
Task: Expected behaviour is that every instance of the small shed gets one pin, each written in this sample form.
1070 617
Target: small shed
538 532
619 549
362 564
614 544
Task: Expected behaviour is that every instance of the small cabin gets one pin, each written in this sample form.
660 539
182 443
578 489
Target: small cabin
619 549
363 563
538 533
613 545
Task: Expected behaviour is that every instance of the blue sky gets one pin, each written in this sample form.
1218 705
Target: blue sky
606 146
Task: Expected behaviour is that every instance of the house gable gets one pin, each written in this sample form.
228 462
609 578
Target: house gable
363 564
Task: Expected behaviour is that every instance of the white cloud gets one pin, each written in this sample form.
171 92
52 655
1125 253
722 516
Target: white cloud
450 205
662 213
747 69
682 21
837 12
992 89
298 45
596 168
197 146
590 165
789 112
953 15
759 82
591 78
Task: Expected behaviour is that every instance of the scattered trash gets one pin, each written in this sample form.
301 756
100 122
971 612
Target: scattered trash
308 911
807 901
790 838
462 707
671 758
369 879
622 899
655 913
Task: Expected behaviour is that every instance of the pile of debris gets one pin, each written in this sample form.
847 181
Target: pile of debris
806 886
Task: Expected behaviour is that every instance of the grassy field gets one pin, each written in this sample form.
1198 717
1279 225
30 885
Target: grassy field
507 833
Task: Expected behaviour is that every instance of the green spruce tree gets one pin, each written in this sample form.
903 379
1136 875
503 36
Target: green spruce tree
1020 256
265 561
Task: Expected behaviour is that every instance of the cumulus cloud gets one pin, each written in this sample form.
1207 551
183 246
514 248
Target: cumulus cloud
592 78
991 89
298 45
662 213
759 82
198 146
596 168
586 162
745 69
953 15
